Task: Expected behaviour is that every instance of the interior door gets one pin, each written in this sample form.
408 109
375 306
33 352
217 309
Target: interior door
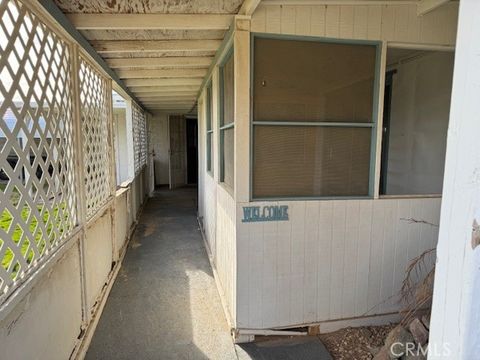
177 151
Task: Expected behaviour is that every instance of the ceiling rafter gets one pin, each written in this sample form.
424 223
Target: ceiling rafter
133 83
109 46
248 7
166 89
84 21
167 98
161 73
178 61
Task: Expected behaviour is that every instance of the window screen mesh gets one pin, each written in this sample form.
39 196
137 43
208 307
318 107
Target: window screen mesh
209 151
228 157
313 81
311 161
227 134
209 127
228 92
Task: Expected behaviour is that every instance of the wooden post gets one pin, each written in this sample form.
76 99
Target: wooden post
79 176
456 309
242 107
129 130
215 106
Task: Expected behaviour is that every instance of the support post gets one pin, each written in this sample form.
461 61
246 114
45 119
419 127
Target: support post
79 176
456 310
241 41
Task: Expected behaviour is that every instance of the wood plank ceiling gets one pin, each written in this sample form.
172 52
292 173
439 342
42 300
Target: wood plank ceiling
161 49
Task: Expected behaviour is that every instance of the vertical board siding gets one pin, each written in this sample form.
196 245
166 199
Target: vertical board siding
225 253
217 210
398 23
332 260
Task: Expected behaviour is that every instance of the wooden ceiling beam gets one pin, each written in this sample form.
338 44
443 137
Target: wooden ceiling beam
166 96
170 100
182 89
168 106
150 21
133 83
179 61
248 7
191 95
161 73
119 46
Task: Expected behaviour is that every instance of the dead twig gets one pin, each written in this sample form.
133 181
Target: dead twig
416 290
415 221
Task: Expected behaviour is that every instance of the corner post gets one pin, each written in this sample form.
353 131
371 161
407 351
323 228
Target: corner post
241 40
456 310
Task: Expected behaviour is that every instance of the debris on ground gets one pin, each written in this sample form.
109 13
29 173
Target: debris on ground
360 343
406 342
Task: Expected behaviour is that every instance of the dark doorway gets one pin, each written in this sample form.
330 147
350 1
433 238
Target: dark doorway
387 105
192 151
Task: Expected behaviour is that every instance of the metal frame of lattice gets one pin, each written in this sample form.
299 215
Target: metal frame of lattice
139 129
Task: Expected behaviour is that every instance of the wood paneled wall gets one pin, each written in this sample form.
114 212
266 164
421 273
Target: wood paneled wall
217 209
332 260
397 23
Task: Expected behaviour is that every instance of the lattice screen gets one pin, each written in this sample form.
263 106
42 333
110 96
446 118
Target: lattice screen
139 137
95 116
37 202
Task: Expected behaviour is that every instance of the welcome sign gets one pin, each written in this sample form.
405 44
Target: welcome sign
265 213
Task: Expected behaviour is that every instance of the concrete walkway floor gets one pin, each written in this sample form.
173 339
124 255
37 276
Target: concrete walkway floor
164 303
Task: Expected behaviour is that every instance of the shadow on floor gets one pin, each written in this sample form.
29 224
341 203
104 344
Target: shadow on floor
295 348
164 303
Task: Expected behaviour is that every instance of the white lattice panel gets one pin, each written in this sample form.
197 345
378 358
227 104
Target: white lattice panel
94 107
37 199
139 137
143 140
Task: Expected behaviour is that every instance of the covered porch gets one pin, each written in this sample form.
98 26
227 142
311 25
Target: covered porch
180 176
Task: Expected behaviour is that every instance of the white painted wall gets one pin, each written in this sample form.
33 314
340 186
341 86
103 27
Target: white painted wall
160 142
216 209
420 109
332 260
335 259
396 23
45 324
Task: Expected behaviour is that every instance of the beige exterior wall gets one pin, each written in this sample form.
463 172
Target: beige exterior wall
393 23
334 259
216 208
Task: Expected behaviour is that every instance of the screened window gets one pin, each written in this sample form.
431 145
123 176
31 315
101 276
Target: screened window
415 121
209 128
227 141
312 118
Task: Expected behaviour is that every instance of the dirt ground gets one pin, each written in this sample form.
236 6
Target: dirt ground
360 343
